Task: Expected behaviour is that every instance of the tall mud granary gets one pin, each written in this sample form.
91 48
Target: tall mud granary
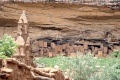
23 53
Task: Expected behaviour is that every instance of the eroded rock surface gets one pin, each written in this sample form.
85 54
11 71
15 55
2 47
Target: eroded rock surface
15 70
63 20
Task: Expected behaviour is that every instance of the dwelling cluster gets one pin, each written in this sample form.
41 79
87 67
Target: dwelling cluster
68 46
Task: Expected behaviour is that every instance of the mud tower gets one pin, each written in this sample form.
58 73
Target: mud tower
23 53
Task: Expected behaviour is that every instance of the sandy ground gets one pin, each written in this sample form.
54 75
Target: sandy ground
62 20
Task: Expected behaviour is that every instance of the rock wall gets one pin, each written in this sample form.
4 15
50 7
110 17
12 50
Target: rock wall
14 70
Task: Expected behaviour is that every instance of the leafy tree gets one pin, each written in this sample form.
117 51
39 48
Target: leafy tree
7 46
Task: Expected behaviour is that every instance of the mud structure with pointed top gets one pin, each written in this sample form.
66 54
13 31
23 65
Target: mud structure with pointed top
23 41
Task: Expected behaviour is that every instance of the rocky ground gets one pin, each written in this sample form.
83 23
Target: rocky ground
62 20
12 69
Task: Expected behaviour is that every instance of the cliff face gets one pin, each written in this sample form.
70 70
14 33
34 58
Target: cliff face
62 20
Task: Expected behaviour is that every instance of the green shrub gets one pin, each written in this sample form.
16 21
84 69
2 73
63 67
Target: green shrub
90 68
116 54
82 67
7 46
51 62
87 67
48 62
2 56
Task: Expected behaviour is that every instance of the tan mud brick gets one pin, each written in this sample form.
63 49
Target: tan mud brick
117 47
45 44
41 51
61 49
53 45
93 48
101 46
96 50
110 51
82 49
85 46
41 43
63 46
105 49
100 53
71 49
56 49
75 48
50 54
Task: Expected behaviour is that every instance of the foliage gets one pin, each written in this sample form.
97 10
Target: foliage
116 54
49 62
81 67
112 70
88 67
7 46
3 56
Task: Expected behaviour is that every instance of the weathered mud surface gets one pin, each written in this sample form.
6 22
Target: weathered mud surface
62 20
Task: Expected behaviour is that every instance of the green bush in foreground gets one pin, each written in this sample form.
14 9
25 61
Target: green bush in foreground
7 46
87 67
82 67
